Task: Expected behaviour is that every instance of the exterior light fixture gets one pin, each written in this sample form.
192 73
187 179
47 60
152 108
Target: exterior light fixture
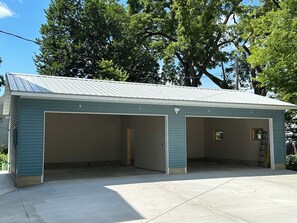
176 110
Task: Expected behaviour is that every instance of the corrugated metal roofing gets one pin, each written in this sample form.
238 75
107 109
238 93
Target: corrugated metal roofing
22 84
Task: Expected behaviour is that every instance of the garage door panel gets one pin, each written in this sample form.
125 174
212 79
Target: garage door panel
149 144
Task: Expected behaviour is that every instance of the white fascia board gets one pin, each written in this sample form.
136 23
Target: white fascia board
89 98
7 100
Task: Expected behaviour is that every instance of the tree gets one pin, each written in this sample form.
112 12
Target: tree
173 41
2 83
275 49
92 39
193 32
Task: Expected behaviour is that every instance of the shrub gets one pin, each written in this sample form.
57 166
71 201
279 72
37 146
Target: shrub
291 163
3 158
3 149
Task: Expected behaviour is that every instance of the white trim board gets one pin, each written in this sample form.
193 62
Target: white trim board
87 98
270 128
98 113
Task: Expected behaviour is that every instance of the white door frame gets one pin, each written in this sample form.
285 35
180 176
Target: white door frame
270 129
104 113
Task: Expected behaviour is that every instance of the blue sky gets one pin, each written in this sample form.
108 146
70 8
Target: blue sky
24 17
21 17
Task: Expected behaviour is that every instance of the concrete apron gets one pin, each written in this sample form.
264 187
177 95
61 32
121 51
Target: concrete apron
220 195
6 183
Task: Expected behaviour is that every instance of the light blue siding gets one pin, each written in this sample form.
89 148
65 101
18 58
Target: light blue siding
176 140
31 121
13 124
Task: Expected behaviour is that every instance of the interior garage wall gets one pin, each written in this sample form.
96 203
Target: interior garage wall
236 144
148 140
82 137
195 138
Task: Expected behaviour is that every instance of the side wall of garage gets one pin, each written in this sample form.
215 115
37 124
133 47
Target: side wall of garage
13 136
31 129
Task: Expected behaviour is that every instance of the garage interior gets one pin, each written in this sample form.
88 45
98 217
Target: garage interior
103 142
235 144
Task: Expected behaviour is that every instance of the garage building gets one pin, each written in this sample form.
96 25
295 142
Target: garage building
71 122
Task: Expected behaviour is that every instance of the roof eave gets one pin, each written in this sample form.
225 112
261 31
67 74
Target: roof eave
50 96
7 101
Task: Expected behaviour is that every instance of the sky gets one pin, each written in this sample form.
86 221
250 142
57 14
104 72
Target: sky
24 18
21 17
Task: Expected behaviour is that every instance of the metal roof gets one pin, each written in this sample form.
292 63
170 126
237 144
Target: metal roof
41 86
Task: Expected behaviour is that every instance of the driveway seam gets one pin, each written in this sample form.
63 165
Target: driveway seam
221 212
19 193
190 199
272 182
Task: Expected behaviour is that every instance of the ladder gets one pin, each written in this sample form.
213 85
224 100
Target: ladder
264 152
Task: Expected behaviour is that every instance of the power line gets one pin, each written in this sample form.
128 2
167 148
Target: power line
17 36
131 69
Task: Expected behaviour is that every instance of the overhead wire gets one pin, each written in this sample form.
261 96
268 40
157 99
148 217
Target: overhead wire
18 36
131 69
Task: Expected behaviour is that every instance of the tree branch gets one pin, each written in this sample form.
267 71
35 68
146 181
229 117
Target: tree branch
248 37
225 42
276 3
234 19
215 43
247 50
217 81
180 58
149 34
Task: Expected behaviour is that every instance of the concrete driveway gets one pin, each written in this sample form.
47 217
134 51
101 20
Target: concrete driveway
226 195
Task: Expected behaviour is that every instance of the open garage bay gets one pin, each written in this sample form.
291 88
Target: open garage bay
82 141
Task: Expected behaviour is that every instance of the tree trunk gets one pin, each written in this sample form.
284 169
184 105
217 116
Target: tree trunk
187 75
256 84
195 80
221 83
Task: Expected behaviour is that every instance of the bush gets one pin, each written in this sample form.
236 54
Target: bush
3 149
291 163
3 158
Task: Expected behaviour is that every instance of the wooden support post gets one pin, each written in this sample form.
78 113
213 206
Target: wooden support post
129 146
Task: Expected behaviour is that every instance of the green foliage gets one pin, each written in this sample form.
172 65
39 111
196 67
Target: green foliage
172 74
179 42
3 149
3 158
194 32
291 162
2 83
110 72
92 39
3 161
275 49
290 124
